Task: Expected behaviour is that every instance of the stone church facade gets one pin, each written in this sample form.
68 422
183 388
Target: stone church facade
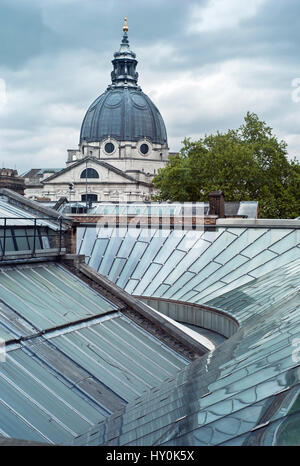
123 143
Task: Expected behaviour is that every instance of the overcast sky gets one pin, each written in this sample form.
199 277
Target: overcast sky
204 63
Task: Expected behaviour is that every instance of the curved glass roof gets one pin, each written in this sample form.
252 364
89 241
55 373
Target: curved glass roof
246 391
193 266
74 363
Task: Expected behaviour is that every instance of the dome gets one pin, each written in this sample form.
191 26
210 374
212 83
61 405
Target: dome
125 114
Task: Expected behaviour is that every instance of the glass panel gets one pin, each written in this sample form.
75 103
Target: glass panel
148 276
21 239
33 239
88 241
189 259
148 256
194 281
212 235
5 335
84 295
116 269
59 408
17 298
171 242
45 242
129 242
270 237
15 427
128 354
285 258
95 259
40 419
48 296
152 347
40 373
249 266
80 232
118 381
48 301
132 262
165 270
130 286
110 254
9 242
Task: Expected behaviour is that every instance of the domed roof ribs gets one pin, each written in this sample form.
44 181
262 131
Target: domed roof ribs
154 128
123 118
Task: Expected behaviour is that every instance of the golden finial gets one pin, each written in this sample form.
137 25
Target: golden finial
125 27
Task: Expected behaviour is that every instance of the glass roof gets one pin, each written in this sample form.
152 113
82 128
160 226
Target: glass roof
142 209
16 216
244 392
71 357
245 209
193 266
48 296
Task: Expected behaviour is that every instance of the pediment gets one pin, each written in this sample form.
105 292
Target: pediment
73 173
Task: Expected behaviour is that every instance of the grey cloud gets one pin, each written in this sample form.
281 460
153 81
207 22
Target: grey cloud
55 58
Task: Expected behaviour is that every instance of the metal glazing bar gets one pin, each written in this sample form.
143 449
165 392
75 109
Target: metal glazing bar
34 237
4 237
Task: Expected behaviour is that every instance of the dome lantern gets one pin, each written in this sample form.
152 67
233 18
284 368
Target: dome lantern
124 63
123 112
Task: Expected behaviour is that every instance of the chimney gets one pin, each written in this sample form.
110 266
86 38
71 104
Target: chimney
216 204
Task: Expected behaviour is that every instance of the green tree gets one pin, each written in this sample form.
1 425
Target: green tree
247 164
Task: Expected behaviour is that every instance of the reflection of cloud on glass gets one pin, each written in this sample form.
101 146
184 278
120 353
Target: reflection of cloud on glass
287 429
2 350
296 351
3 97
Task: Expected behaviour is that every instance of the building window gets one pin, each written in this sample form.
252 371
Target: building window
89 173
23 239
89 197
144 148
109 147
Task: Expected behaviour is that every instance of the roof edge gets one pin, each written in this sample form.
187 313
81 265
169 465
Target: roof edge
192 346
33 206
258 222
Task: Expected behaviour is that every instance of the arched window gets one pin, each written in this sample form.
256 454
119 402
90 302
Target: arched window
89 173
